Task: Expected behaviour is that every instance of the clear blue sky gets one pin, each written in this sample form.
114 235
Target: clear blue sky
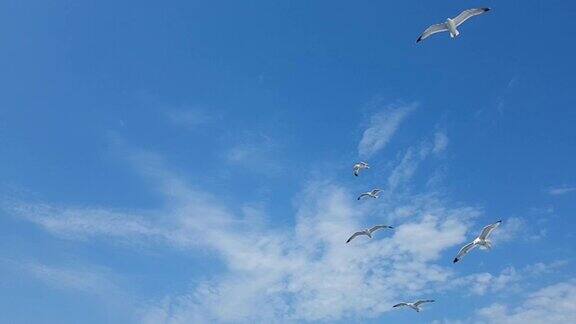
191 161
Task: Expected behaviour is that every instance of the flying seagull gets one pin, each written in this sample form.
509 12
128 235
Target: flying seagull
451 25
359 167
374 194
481 240
415 306
368 232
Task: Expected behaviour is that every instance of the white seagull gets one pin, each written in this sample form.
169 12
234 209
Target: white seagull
415 306
481 240
374 194
451 25
359 167
368 232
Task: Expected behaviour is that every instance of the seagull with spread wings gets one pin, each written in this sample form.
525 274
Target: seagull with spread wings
373 194
481 240
359 167
368 232
452 24
415 306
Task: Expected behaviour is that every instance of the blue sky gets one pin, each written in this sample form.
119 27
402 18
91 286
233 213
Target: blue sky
192 161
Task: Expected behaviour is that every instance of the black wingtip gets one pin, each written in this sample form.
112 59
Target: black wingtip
500 221
391 227
456 260
419 39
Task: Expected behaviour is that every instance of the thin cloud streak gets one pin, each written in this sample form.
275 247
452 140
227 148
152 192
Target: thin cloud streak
294 274
383 125
557 191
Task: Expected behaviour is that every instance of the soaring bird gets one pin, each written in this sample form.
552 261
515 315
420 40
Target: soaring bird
481 240
451 25
368 232
359 167
415 306
374 194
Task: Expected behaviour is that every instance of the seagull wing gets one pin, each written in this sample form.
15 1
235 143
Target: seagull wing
377 227
363 195
354 235
486 231
467 14
464 250
356 170
431 31
376 191
401 304
420 302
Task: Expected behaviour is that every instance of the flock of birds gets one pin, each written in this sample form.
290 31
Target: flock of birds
451 25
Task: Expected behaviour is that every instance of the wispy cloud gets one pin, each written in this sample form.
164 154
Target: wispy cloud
557 191
305 272
413 156
511 279
382 127
90 280
258 153
552 304
440 142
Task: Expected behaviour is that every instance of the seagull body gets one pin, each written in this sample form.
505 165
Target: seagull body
359 167
451 25
481 241
415 306
373 194
368 232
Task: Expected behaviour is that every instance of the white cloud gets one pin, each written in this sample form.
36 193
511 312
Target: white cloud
89 280
291 274
257 153
383 126
509 280
404 171
552 304
557 191
440 142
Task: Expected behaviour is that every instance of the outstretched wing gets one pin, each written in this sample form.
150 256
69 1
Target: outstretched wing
401 304
464 250
354 236
420 302
431 31
377 227
363 195
486 231
376 191
467 14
